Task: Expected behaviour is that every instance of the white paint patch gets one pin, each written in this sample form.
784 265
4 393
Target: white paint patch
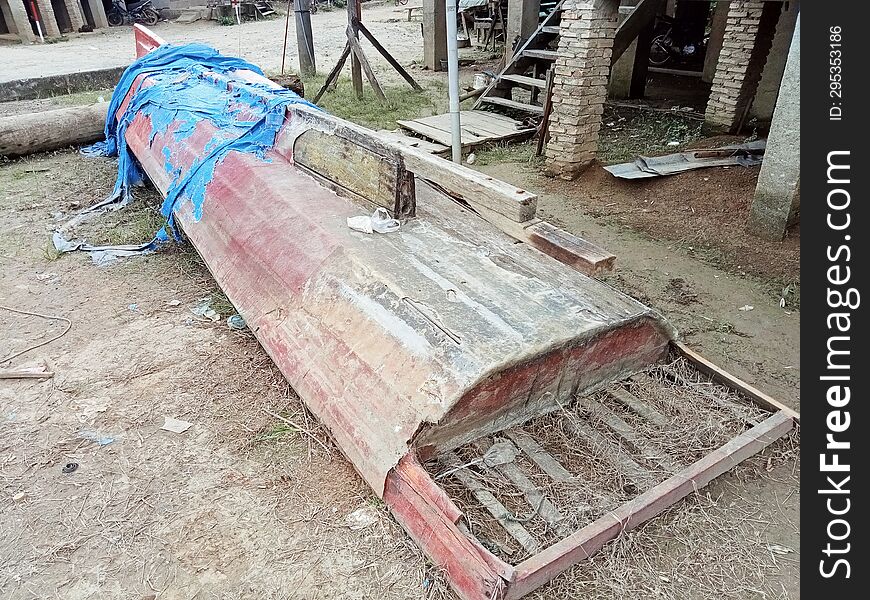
409 337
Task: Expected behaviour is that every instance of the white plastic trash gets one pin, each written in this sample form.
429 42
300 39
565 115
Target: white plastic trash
380 221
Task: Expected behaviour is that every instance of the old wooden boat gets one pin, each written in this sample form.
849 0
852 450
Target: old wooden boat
472 319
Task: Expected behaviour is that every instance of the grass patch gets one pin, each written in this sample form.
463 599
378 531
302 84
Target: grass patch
134 225
509 153
627 133
402 102
221 304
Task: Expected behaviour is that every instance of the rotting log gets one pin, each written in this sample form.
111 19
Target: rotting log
52 129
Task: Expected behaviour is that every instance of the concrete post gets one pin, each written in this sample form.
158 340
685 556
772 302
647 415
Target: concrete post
434 33
47 19
522 21
777 195
76 17
98 12
580 82
714 44
628 74
748 36
771 77
16 16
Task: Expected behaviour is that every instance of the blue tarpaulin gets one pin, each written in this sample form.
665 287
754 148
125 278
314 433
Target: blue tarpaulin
183 91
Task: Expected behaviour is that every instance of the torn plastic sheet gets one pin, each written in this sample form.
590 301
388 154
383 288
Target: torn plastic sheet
187 84
747 155
103 255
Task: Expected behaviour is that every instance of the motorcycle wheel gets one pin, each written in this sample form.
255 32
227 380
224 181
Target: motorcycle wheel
115 18
658 52
150 17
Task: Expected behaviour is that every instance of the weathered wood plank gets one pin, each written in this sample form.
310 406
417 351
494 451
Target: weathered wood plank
637 405
724 377
541 568
414 142
479 190
646 447
537 501
491 504
343 162
620 460
52 129
570 249
547 463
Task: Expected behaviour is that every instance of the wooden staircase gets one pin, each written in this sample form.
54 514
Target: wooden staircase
263 8
527 70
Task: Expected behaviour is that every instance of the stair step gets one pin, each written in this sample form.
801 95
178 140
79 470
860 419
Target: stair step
550 29
544 54
531 108
524 80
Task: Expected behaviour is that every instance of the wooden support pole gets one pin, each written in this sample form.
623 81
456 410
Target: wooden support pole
304 38
393 62
360 58
332 78
353 17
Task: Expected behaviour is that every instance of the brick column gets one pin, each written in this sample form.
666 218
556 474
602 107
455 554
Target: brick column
16 12
76 17
46 19
580 82
748 36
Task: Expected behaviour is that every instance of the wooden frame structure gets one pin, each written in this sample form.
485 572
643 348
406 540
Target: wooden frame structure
359 62
434 521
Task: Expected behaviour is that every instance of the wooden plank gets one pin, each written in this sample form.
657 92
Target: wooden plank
363 61
333 74
552 29
620 460
524 80
537 501
492 505
474 572
724 377
565 247
389 57
630 28
736 411
541 568
640 407
544 54
479 190
547 463
415 142
529 108
644 446
372 176
476 129
570 249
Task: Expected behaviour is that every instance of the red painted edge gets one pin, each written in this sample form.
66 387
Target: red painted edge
146 40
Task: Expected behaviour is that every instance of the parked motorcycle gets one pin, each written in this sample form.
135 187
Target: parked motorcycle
135 12
670 45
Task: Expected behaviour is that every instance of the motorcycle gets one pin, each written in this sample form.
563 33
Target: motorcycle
669 45
136 12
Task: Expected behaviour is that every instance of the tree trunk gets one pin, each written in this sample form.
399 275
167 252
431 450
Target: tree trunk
38 132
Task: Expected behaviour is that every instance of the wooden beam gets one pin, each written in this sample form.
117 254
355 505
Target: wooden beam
389 57
353 15
634 24
640 407
361 58
541 568
492 505
619 459
52 129
547 463
333 75
724 377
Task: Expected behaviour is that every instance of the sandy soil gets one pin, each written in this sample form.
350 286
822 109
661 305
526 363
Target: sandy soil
259 42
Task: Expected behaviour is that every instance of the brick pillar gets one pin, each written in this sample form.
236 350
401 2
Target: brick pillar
76 17
16 12
434 33
580 82
748 36
47 20
778 193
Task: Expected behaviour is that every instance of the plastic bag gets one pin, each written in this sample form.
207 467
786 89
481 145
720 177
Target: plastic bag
380 221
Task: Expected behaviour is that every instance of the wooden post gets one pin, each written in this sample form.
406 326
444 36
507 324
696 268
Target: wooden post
353 17
304 37
522 21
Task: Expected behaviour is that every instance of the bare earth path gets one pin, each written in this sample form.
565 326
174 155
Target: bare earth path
260 43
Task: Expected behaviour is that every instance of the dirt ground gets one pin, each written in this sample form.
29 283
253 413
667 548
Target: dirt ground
244 505
253 501
259 42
